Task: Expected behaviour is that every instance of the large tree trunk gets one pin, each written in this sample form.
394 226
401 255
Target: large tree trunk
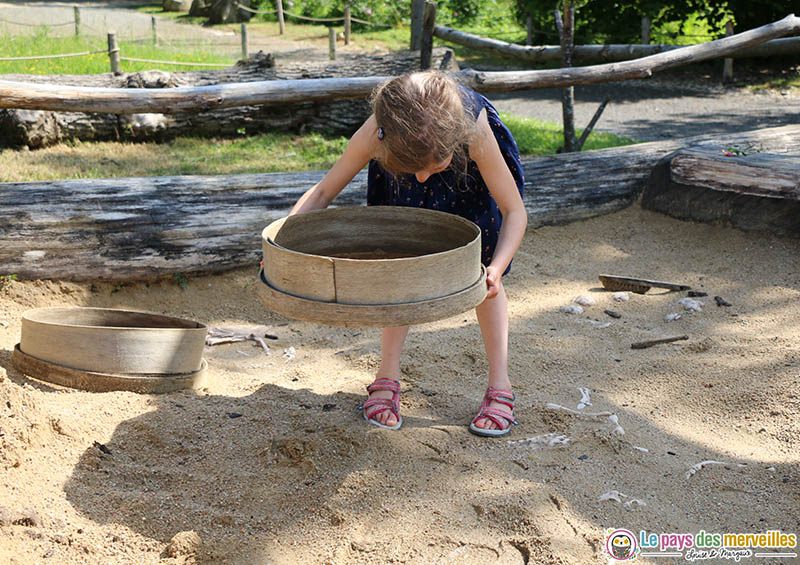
228 12
142 227
758 192
40 128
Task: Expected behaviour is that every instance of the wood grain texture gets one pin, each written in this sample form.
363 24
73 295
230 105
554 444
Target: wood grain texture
105 382
440 255
372 316
113 341
138 228
753 193
25 95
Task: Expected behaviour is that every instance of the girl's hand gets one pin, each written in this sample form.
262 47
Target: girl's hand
493 281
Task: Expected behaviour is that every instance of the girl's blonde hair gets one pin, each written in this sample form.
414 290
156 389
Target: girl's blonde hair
422 121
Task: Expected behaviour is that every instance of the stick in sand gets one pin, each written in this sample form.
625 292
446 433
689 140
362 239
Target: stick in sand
651 342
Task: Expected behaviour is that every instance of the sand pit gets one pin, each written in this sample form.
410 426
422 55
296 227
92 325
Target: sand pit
272 463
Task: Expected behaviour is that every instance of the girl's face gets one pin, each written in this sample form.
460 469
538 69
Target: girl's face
432 169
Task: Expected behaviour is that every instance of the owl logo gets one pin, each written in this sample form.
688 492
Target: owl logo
621 545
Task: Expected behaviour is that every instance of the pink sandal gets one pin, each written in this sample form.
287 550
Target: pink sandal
502 417
380 405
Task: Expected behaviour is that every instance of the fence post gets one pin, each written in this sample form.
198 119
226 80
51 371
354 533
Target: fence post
244 42
347 25
155 30
727 65
529 30
113 53
645 30
426 47
77 13
280 15
332 43
417 13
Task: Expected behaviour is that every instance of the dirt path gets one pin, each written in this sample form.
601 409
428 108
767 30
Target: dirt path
661 108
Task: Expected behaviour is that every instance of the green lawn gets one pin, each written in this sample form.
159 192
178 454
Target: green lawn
97 62
269 152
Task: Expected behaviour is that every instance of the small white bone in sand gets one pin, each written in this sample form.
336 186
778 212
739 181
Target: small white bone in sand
642 449
672 317
289 354
691 305
609 415
216 336
544 440
571 309
584 300
620 297
617 496
585 398
770 468
614 420
694 468
553 406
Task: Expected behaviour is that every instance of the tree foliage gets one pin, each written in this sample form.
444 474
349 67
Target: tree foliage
600 21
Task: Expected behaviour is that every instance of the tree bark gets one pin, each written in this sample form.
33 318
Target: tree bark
566 28
598 53
121 229
39 128
759 192
205 98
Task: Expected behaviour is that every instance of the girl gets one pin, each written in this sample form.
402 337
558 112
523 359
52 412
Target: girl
431 143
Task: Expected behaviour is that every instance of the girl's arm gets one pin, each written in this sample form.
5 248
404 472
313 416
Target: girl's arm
356 155
486 153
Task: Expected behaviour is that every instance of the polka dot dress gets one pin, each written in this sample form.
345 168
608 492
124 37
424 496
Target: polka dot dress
468 197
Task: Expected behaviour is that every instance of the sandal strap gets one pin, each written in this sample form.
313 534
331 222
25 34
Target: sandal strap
499 395
501 417
384 384
380 405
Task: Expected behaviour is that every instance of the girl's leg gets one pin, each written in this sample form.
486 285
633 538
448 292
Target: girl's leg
392 340
493 320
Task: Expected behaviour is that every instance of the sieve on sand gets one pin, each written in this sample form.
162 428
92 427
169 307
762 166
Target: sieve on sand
103 349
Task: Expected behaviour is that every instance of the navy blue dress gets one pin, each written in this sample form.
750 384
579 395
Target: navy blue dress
469 199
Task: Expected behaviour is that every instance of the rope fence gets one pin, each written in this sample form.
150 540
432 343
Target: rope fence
61 56
172 62
35 25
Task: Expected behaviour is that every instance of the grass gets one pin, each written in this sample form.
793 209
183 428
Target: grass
537 137
272 152
42 43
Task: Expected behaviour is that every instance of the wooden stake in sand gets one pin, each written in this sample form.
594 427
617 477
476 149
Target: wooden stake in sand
651 342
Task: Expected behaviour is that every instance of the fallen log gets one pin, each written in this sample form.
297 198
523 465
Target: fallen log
121 229
757 192
40 128
598 53
180 100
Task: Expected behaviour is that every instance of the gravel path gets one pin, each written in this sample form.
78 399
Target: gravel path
646 110
659 109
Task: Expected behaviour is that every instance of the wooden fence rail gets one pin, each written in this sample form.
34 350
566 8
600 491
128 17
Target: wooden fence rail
611 52
179 100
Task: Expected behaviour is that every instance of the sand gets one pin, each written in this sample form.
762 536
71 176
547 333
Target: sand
271 462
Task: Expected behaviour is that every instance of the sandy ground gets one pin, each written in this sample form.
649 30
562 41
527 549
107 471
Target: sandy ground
271 462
